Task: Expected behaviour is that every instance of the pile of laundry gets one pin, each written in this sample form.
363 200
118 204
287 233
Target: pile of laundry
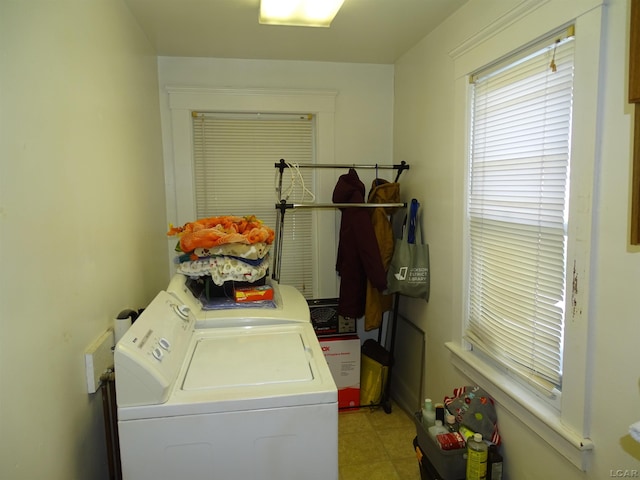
226 248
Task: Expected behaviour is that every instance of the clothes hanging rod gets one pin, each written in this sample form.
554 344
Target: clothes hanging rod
285 206
398 166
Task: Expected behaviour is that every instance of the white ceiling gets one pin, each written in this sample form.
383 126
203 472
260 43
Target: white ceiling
364 31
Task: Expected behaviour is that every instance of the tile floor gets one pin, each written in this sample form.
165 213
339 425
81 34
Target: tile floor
375 445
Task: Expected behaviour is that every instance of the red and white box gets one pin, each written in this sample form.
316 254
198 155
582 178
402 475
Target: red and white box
343 357
254 294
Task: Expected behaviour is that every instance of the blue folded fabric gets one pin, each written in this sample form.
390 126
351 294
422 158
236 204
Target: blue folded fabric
413 215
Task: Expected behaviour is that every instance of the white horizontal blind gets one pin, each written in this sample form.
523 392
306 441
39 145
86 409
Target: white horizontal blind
234 157
517 212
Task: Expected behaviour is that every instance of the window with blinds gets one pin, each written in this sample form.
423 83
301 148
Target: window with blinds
517 210
234 174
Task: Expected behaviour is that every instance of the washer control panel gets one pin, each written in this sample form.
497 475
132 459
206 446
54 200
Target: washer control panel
149 356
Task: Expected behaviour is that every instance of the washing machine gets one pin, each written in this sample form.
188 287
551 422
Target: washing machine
250 396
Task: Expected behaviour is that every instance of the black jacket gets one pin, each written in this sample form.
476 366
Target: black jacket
358 253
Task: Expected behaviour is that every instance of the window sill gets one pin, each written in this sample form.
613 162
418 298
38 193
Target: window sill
524 405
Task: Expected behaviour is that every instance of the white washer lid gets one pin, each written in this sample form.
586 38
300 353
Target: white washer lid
241 359
300 359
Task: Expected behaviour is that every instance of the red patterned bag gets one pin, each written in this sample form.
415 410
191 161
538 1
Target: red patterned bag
474 409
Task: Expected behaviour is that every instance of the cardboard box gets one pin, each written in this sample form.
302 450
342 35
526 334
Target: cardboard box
325 318
254 294
343 357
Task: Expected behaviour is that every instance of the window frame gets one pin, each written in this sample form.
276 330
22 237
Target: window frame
565 428
225 186
183 100
505 232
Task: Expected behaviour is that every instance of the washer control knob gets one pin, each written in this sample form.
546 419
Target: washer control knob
164 343
182 311
157 353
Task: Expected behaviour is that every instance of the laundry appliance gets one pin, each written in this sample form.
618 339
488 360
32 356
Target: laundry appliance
246 397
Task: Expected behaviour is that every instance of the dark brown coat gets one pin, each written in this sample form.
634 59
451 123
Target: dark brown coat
358 256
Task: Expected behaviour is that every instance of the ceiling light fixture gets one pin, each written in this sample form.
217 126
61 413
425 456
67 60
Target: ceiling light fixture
306 13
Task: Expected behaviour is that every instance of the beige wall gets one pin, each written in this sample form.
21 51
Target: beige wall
362 125
82 219
83 215
425 101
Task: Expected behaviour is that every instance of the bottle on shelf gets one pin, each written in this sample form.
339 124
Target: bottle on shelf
494 464
477 455
436 429
451 424
440 412
466 432
428 414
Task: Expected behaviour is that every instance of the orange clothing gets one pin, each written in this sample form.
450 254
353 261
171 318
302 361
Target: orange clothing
377 302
